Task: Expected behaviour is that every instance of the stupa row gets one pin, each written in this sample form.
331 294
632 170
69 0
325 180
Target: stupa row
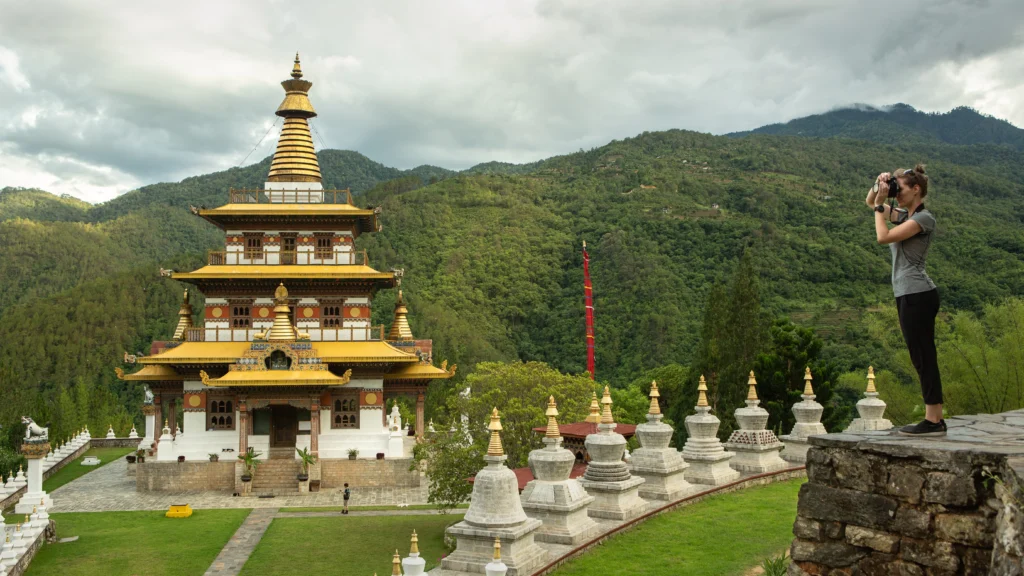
554 508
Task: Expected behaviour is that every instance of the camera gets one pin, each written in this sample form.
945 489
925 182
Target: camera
894 187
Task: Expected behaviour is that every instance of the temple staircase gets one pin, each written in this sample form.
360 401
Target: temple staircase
277 476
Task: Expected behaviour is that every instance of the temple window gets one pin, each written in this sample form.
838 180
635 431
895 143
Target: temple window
221 415
240 317
278 360
332 316
324 250
345 412
254 246
287 249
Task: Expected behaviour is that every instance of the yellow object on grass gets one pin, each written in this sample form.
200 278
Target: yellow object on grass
179 511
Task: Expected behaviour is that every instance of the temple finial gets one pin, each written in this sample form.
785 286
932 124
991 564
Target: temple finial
400 329
495 448
297 68
552 413
808 390
414 547
595 410
655 408
497 549
184 319
702 397
752 383
871 381
606 407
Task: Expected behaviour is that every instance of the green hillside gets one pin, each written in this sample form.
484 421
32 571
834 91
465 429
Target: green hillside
493 264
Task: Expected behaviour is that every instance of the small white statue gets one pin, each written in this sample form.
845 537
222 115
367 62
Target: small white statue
34 432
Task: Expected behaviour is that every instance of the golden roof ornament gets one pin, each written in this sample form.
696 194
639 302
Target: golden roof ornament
595 410
606 407
552 413
497 549
655 408
400 325
414 547
752 391
702 397
295 159
281 330
808 390
495 448
396 565
871 381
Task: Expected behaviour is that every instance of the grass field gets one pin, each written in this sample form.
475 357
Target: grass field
74 469
721 536
345 544
127 543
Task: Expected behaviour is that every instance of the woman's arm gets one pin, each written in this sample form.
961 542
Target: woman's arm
898 234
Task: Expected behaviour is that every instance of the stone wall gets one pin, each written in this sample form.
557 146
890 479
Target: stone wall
184 476
115 442
1008 553
367 473
21 566
880 503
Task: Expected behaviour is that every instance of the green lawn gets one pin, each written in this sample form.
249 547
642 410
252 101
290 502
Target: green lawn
345 544
74 469
365 508
723 535
127 543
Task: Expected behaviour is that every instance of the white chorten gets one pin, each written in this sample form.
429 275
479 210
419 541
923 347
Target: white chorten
757 449
662 468
413 565
871 409
808 423
616 492
703 451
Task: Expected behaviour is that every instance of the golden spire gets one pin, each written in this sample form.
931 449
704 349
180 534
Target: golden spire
808 390
752 392
655 409
702 397
551 413
595 410
396 565
871 381
414 548
184 319
295 159
400 326
495 448
281 329
497 549
606 407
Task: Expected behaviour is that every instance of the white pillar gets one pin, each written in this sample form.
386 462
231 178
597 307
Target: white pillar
147 440
35 492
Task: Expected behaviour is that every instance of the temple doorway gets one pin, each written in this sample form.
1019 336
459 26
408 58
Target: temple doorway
284 424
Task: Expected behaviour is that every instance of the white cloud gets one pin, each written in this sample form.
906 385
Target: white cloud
156 93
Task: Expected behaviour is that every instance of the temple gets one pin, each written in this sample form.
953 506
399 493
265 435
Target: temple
285 356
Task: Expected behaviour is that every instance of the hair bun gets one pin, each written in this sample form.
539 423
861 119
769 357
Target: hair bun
919 168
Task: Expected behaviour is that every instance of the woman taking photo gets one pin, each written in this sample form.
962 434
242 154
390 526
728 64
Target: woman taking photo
917 300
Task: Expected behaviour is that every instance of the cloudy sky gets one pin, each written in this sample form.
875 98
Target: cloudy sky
98 98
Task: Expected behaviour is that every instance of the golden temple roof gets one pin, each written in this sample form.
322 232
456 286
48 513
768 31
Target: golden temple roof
279 378
286 271
367 351
199 353
295 159
419 372
151 374
276 208
371 351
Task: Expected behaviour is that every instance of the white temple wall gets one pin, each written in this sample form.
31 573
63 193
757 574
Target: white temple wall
197 443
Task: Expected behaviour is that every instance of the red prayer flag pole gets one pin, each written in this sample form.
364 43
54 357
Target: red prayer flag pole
588 297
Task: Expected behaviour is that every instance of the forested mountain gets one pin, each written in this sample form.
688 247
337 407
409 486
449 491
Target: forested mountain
493 269
900 124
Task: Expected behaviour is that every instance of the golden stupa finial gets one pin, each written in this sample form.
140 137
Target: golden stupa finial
281 294
414 546
655 408
808 389
297 69
165 423
871 381
281 329
295 159
552 413
752 391
396 565
606 407
702 389
400 325
495 448
184 319
497 549
595 410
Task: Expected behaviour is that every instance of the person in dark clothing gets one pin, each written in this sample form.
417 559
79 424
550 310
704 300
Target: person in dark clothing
917 299
346 496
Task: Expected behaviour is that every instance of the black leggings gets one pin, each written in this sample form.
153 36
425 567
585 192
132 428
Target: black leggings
917 321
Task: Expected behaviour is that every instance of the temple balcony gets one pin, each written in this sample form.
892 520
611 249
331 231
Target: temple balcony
266 257
258 196
346 334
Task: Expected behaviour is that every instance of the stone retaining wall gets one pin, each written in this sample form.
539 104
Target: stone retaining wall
115 442
184 476
22 565
879 503
368 473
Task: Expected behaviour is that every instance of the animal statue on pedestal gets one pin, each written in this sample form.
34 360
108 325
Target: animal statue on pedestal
34 432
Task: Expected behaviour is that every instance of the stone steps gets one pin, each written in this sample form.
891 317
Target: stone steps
277 477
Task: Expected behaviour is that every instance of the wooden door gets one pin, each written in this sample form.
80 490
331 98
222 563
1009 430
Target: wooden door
284 424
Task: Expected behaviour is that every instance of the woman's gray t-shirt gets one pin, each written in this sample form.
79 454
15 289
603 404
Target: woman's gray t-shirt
908 258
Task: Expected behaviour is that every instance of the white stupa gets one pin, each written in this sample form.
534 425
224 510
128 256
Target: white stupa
871 409
662 468
757 449
808 423
616 492
703 451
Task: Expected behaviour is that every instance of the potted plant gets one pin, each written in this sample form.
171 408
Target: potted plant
214 457
140 456
307 461
130 458
352 453
250 462
181 459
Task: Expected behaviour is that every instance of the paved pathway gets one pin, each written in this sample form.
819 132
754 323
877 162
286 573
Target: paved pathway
234 554
110 488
